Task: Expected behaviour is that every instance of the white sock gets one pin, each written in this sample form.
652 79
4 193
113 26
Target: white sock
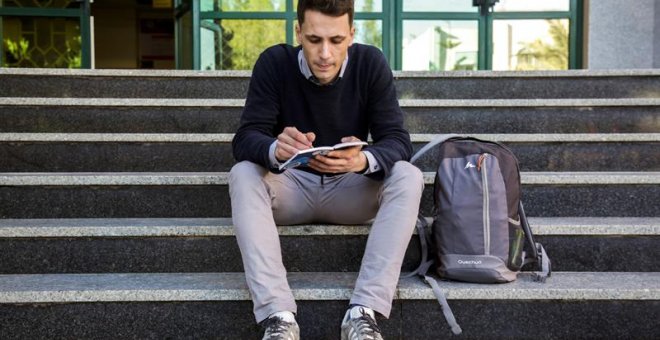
356 312
284 315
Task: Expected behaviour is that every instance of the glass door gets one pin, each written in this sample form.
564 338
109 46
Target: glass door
38 34
186 26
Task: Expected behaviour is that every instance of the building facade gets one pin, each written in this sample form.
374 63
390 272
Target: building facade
413 34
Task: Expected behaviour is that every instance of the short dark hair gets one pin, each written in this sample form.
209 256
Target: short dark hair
335 8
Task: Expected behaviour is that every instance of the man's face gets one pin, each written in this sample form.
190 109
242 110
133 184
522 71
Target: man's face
325 40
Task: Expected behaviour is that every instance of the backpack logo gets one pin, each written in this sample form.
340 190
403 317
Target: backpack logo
477 262
469 165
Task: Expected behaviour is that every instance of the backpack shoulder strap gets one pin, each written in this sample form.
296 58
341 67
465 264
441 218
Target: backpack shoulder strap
544 264
424 241
538 255
444 305
527 229
437 140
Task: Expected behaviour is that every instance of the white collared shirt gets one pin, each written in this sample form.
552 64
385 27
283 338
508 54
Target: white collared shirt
307 72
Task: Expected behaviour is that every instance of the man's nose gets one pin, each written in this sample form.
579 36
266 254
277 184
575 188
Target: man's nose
325 50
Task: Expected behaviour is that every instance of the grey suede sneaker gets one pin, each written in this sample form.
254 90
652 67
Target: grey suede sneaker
278 329
359 326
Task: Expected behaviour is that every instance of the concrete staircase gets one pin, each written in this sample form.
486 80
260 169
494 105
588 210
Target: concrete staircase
115 217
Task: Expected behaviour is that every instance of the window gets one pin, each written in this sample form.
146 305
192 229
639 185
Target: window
234 32
440 45
514 35
414 34
44 34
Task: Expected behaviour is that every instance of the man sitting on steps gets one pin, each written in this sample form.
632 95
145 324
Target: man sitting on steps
325 91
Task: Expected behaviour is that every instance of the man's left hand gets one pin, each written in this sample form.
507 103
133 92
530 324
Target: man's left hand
338 161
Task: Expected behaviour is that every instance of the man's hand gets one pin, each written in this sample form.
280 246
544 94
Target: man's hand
291 141
345 160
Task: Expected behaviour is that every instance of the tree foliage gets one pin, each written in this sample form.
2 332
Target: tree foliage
21 54
368 31
539 55
243 40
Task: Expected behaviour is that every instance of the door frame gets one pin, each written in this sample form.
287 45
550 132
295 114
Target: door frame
181 8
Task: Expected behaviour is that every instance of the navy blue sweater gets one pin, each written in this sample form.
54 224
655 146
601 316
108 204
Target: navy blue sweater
363 101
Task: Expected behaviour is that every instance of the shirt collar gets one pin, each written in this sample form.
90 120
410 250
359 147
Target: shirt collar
307 72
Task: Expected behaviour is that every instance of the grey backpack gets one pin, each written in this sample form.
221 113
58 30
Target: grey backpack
479 231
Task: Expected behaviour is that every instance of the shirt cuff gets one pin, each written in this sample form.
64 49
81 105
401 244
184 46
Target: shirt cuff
372 163
274 163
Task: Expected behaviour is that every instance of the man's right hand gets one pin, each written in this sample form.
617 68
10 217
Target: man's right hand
291 141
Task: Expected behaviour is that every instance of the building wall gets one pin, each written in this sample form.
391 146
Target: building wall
622 34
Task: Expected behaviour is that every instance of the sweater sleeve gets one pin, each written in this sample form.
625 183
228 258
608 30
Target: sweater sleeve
259 118
391 140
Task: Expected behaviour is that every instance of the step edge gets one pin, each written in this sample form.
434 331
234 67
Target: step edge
129 73
222 227
67 288
65 137
403 102
221 178
121 102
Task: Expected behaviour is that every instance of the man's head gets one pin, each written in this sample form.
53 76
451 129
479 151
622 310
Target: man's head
325 31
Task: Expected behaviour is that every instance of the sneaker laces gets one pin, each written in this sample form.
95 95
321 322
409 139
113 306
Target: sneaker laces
276 328
366 326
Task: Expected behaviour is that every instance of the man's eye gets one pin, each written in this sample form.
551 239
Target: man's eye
314 40
337 41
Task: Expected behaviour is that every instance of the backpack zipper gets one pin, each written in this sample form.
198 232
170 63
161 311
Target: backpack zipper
481 163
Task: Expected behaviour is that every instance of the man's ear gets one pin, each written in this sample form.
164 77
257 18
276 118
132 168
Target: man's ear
298 34
352 36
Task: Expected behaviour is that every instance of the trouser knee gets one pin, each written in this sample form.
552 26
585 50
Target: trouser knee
245 171
406 176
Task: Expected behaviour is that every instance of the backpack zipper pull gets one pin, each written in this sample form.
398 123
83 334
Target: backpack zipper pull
480 161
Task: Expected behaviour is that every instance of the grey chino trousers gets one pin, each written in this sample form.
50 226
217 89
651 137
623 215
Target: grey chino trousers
261 199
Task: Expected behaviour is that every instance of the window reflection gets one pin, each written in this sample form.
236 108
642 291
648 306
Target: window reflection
530 44
369 32
236 44
368 5
441 45
532 6
243 6
359 5
438 6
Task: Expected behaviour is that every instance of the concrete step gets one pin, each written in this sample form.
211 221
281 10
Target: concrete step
421 85
85 195
204 305
90 152
531 115
30 246
142 115
165 115
123 83
537 84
